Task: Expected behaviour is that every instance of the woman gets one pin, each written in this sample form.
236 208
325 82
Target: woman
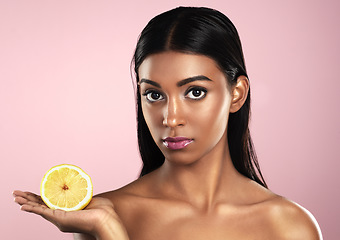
200 178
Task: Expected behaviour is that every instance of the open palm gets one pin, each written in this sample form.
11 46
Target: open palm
98 214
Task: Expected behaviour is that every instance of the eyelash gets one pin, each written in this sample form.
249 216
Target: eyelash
149 92
202 90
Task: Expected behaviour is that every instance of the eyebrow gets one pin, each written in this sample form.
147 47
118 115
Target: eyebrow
149 82
180 83
192 79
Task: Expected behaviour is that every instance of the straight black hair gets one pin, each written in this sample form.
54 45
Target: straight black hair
206 32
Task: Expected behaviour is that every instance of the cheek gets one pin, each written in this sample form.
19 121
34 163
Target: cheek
153 118
213 117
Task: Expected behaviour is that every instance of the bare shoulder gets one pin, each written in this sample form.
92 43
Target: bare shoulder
277 217
135 191
131 190
133 201
289 220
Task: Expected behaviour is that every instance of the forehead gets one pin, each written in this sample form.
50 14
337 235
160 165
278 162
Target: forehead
178 66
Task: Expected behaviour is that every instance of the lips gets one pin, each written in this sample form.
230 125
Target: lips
176 143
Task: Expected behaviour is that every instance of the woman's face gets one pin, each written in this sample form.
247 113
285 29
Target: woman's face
185 101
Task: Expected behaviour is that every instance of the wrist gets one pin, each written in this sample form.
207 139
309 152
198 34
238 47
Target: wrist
110 228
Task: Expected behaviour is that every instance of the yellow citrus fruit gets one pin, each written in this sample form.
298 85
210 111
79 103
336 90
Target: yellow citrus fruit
66 187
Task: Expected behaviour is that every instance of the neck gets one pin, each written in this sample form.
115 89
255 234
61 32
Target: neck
202 183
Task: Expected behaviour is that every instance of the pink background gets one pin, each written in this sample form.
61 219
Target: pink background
66 97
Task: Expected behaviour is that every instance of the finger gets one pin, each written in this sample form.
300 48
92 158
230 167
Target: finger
20 200
40 210
65 221
60 218
33 197
36 204
43 211
29 196
36 208
18 193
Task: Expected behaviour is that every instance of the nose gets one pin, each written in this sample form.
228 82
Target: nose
173 114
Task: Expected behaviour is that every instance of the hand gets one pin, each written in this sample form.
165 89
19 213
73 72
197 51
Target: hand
98 219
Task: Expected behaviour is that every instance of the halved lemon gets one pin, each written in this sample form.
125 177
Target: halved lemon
66 187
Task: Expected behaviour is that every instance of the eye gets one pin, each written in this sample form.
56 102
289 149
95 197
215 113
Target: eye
153 96
196 93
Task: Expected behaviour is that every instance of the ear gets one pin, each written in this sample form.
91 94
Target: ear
239 93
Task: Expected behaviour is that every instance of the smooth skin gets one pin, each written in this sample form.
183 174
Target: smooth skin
197 193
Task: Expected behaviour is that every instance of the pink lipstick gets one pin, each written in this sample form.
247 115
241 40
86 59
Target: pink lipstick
176 143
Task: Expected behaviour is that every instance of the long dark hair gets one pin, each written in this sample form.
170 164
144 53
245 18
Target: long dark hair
206 32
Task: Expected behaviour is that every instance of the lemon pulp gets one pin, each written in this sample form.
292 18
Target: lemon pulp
66 187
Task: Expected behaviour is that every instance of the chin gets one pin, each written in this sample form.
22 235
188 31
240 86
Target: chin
180 158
